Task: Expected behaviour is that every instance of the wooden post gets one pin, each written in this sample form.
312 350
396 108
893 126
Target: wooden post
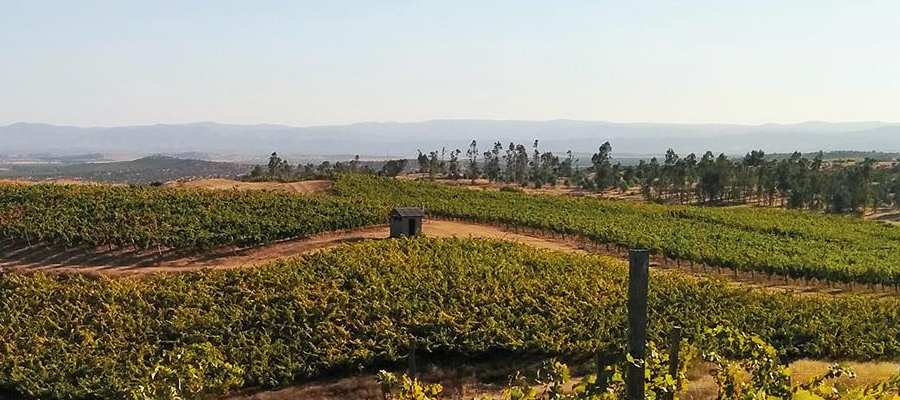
602 360
638 286
411 359
674 360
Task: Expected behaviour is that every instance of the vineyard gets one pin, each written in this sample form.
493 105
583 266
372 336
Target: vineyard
775 242
361 306
143 217
788 243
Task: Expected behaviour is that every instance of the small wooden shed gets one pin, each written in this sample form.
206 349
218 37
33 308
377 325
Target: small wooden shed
406 221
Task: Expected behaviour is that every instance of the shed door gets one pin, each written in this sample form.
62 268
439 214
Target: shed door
412 227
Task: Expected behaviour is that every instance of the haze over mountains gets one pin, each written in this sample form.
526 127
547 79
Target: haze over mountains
404 139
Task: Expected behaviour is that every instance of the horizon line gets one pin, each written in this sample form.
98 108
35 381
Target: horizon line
411 122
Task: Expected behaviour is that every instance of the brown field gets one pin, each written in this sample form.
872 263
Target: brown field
560 189
229 184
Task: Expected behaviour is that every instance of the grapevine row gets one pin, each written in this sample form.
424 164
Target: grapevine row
361 305
787 243
174 218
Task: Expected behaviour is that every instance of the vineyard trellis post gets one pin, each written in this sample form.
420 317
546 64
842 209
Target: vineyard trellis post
638 286
674 360
411 359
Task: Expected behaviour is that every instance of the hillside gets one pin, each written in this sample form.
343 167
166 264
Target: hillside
785 243
140 171
843 155
356 308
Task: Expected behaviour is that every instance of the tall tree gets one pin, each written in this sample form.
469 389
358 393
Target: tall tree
602 167
492 163
453 165
424 165
274 164
472 170
393 167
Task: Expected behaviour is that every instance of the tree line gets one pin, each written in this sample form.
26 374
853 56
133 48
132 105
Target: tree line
797 181
279 169
794 182
510 164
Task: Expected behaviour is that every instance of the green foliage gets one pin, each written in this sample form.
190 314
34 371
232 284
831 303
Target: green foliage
737 355
359 306
823 390
734 352
406 388
393 167
788 243
175 218
188 371
795 180
141 171
749 355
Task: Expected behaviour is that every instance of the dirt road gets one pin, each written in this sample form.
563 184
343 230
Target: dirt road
15 256
122 262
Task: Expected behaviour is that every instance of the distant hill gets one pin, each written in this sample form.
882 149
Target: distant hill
141 171
404 139
843 155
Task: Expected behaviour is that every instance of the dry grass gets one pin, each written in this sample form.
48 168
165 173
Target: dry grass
304 187
701 384
866 373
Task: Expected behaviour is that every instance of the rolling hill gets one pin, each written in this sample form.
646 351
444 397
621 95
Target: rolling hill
143 170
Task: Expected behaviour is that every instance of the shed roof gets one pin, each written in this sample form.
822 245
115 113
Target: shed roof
408 212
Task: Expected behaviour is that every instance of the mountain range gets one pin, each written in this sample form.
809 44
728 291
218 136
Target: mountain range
404 139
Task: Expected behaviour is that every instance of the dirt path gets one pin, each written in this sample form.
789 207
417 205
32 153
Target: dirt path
15 256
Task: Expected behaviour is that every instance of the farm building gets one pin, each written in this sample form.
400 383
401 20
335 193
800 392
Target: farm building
406 221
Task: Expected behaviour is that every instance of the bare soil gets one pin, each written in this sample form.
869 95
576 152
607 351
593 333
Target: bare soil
16 255
885 215
304 187
488 379
463 381
42 257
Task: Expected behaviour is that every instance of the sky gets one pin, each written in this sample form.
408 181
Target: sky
107 63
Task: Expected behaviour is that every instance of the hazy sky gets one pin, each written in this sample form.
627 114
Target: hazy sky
322 62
